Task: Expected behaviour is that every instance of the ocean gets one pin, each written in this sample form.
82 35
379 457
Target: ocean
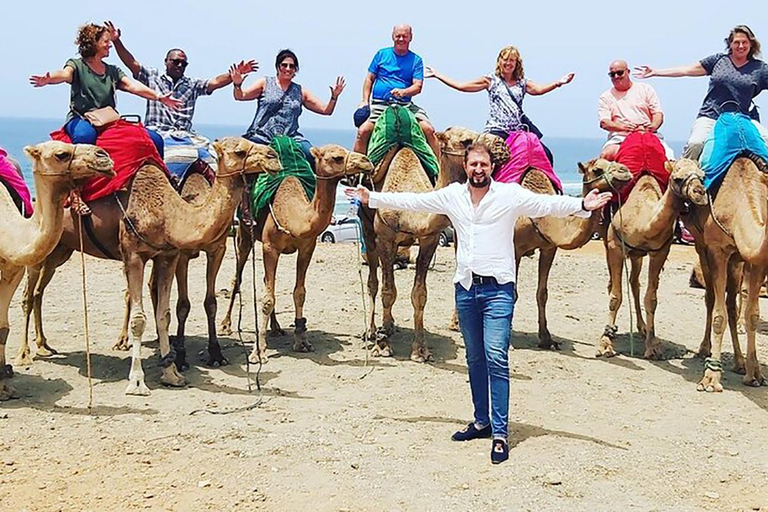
15 133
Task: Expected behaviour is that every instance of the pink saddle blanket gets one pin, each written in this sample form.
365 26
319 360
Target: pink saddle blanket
11 177
525 151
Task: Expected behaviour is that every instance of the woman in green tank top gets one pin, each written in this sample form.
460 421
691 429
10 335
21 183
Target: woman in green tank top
94 84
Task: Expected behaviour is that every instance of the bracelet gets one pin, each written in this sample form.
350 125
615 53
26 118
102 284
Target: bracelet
334 98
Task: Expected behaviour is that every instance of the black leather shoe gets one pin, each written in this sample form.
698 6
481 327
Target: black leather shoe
471 432
499 451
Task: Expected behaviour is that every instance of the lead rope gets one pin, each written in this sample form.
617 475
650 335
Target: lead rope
626 275
85 316
358 249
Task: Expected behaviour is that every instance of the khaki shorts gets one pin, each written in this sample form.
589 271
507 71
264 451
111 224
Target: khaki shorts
378 108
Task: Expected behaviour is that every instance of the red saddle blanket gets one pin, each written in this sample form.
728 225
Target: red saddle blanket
129 146
642 153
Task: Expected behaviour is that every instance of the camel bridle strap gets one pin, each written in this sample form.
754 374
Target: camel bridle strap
67 172
132 227
714 216
241 171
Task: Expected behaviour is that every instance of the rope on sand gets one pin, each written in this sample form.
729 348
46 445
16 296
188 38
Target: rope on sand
85 317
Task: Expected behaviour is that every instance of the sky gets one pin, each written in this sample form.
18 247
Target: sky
339 37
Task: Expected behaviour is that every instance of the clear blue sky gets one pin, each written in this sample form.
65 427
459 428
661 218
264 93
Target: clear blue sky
339 37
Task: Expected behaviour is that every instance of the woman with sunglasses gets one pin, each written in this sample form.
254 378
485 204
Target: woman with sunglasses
506 87
736 77
281 101
94 83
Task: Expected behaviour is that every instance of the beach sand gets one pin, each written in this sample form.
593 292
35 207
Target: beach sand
334 434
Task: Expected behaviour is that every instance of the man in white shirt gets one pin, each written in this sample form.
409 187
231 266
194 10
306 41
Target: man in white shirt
484 214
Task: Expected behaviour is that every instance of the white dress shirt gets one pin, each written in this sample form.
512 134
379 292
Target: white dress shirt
486 231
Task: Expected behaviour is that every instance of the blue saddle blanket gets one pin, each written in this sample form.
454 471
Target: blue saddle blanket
733 135
183 149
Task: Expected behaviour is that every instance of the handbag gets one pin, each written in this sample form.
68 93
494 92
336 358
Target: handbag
102 117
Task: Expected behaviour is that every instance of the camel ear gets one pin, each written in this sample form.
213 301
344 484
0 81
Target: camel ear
441 137
217 148
582 168
32 152
669 165
315 153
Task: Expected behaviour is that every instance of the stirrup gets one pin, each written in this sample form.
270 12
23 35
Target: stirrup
78 205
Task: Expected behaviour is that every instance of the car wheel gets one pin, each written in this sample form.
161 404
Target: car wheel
327 238
443 240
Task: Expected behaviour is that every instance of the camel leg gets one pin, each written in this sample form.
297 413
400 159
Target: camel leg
655 265
733 290
8 283
387 253
33 277
215 258
164 269
615 259
718 266
755 277
705 347
134 272
270 257
182 310
419 350
244 241
304 258
546 258
372 255
274 326
636 267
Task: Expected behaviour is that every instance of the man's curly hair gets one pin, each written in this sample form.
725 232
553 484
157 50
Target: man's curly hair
87 37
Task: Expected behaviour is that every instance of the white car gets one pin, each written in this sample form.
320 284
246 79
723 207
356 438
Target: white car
342 229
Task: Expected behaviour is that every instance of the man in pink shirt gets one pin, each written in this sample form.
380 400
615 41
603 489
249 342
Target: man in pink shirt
628 107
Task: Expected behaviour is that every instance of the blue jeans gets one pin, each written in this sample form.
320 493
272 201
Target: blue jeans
83 132
485 314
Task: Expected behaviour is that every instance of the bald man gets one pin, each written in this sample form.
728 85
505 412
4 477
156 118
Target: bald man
628 107
395 75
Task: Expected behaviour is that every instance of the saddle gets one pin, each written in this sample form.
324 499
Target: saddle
14 182
525 153
642 153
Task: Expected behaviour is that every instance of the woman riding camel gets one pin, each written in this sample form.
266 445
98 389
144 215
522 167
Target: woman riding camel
736 77
507 87
281 101
94 83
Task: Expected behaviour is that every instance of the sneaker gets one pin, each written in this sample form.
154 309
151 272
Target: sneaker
472 432
499 451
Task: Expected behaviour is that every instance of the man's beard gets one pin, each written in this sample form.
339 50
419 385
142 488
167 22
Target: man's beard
479 184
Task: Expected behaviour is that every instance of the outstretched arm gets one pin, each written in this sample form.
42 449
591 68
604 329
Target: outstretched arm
431 202
237 73
535 89
52 78
315 105
137 88
225 79
691 70
531 204
127 57
476 85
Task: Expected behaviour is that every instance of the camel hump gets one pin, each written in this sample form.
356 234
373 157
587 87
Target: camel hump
538 181
406 174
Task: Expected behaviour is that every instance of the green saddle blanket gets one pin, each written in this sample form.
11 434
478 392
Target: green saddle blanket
398 126
294 164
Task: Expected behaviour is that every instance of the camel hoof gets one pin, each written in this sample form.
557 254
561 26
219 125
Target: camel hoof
214 358
711 382
454 325
605 348
303 346
653 354
386 330
122 345
225 329
276 333
45 351
422 356
547 343
171 377
739 368
381 351
24 359
755 381
7 392
137 388
255 358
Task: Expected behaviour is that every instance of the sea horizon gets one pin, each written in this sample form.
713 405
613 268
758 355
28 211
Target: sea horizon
17 132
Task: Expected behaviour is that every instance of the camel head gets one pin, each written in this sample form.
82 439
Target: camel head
687 180
454 141
332 161
604 175
69 163
241 156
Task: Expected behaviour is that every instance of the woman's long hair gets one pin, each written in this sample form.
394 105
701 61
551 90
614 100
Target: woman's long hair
510 52
754 44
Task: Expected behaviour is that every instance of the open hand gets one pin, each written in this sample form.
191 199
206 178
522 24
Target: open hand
40 80
644 72
360 193
566 79
338 87
170 102
397 93
430 72
114 32
595 200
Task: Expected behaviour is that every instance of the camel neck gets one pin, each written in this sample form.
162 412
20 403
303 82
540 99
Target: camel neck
322 206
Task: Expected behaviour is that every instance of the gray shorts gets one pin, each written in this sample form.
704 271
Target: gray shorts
378 108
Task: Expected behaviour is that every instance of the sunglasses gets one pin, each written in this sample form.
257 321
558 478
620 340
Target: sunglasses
179 62
619 73
287 65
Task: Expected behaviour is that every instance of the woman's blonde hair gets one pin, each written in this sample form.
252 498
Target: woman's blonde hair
87 37
754 44
510 52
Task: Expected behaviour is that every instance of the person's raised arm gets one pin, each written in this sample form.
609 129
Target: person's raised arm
431 202
476 85
137 88
127 57
691 70
237 73
315 105
535 89
225 79
52 78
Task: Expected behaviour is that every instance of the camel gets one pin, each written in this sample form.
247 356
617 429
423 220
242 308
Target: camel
385 229
732 231
58 168
293 225
644 226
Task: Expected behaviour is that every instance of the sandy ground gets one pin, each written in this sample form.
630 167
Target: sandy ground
334 434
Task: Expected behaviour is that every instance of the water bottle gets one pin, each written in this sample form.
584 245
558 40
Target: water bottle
354 206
